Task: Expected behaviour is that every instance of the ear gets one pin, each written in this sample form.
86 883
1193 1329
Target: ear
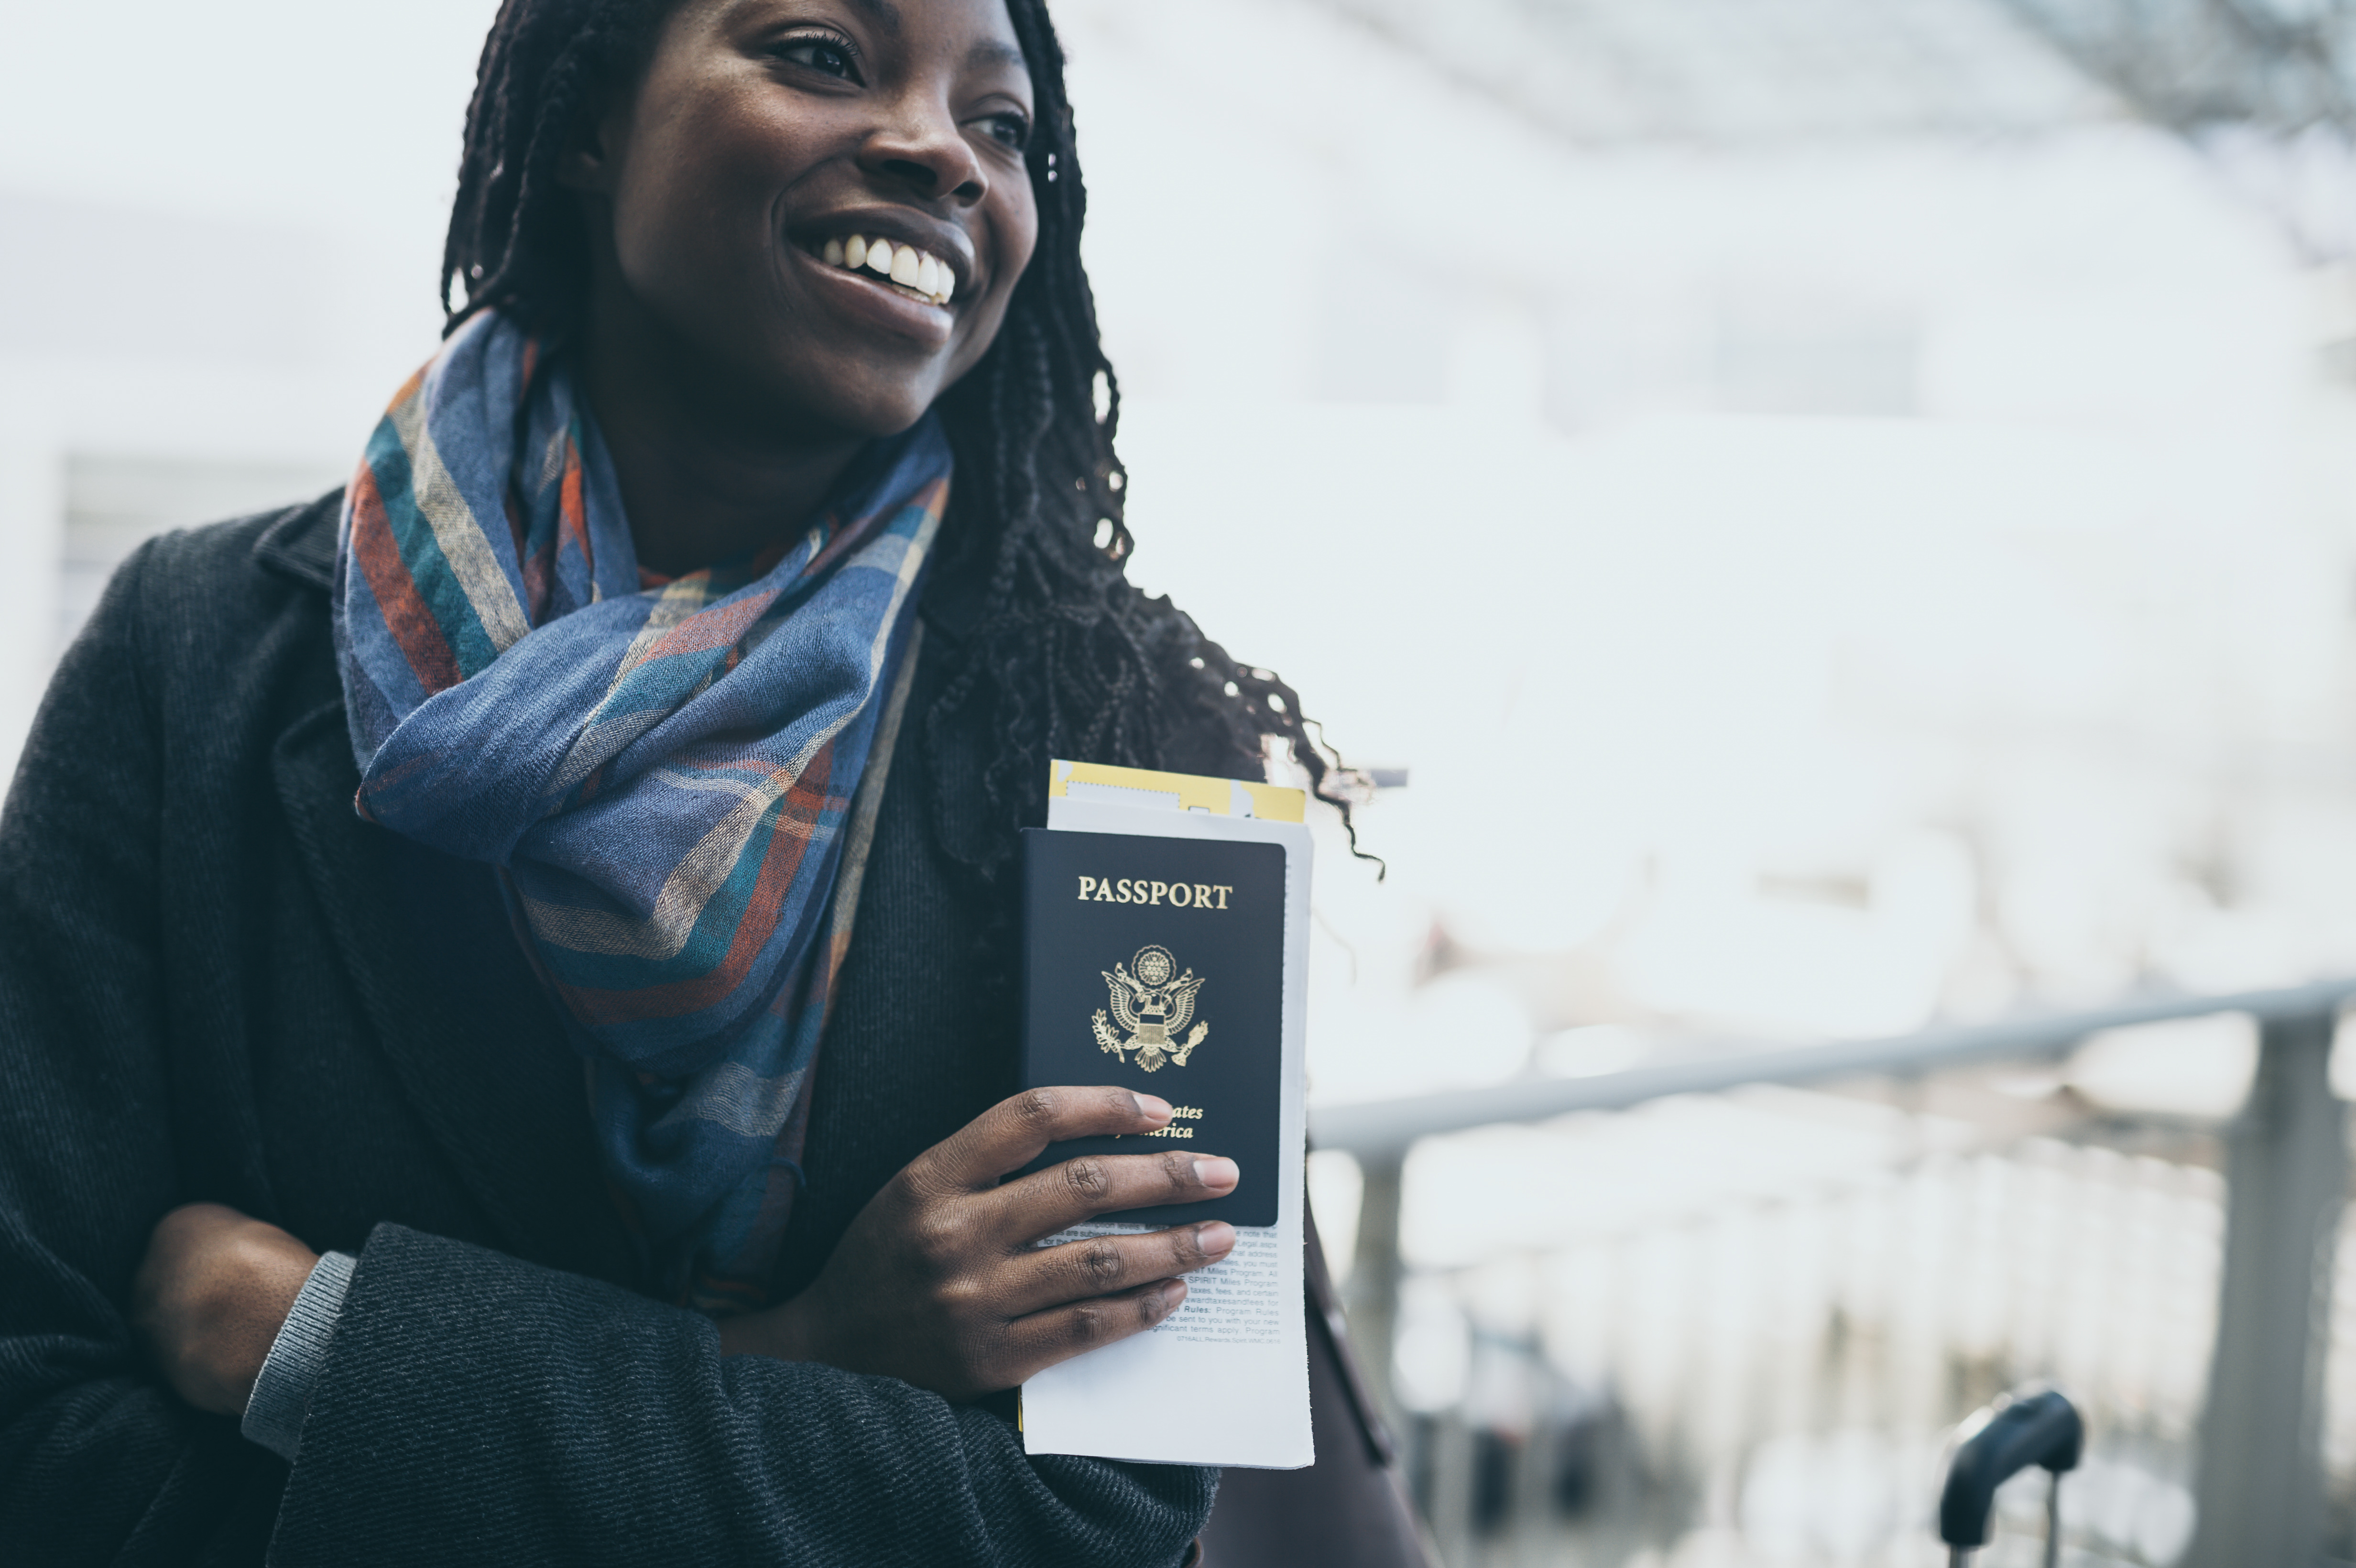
594 162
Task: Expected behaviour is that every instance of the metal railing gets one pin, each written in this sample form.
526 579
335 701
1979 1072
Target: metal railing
2259 1485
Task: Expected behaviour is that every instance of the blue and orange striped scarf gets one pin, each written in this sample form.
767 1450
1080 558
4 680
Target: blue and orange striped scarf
662 771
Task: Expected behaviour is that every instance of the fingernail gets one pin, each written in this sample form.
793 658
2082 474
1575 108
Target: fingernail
1173 1293
1213 1171
1153 1105
1215 1238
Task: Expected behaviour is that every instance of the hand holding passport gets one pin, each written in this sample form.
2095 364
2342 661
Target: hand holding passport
1158 965
935 1282
1165 923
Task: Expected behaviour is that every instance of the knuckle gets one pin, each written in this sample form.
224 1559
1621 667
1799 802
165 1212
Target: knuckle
1178 1169
1101 1262
1087 1178
1036 1108
922 1186
1087 1326
1153 1306
938 1237
921 1181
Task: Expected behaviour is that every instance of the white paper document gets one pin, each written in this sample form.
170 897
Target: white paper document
1224 1380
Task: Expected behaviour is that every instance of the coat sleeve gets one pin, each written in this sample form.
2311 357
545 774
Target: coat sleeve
99 1461
541 1418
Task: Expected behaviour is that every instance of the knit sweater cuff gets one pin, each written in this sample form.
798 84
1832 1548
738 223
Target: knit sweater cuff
281 1393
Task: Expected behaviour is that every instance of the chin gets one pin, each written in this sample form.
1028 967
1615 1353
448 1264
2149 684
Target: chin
860 405
884 414
878 418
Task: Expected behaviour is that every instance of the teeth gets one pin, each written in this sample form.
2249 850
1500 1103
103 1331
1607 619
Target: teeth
918 271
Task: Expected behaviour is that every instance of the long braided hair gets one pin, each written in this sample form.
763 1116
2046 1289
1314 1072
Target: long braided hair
1066 659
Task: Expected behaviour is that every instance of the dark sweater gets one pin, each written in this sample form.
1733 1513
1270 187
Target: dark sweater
217 982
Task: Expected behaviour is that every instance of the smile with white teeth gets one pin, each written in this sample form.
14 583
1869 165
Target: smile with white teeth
913 272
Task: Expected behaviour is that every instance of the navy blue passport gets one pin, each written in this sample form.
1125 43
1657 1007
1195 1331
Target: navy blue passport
1158 965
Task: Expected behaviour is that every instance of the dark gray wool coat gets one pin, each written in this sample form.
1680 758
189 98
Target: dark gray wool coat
216 982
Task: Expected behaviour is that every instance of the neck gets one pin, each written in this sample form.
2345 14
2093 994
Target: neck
707 472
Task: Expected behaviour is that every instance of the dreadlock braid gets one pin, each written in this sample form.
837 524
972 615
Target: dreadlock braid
515 240
1067 658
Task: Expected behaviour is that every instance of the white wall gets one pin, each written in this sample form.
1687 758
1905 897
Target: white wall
219 230
32 535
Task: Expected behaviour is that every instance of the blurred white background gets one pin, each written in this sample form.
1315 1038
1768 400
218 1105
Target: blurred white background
1837 523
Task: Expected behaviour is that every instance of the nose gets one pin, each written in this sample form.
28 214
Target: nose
920 146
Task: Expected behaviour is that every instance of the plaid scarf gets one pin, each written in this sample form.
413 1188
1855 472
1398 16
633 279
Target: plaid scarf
662 770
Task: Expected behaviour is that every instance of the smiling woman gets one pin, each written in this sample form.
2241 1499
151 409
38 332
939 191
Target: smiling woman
656 710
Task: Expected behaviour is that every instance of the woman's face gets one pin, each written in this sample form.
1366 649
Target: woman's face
766 138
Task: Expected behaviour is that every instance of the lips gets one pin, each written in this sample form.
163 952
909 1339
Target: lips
896 269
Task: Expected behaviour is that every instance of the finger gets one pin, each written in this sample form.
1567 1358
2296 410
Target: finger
1046 1201
1036 1342
1011 1133
1106 1265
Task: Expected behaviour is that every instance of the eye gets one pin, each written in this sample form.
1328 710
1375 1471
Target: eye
829 57
1009 130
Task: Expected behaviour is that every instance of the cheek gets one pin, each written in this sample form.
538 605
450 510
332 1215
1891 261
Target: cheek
1014 241
1017 230
697 210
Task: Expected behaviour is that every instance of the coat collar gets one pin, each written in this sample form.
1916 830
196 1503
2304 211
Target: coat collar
300 542
513 1123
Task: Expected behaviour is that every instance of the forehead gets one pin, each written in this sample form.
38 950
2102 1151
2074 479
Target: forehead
986 21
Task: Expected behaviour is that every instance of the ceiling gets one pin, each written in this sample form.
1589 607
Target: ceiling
1615 71
2281 66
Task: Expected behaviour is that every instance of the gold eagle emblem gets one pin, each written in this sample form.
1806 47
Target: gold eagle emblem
1153 1002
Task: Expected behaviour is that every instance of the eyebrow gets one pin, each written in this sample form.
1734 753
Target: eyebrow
989 51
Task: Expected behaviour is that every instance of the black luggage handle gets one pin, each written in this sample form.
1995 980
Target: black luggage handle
2041 1429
